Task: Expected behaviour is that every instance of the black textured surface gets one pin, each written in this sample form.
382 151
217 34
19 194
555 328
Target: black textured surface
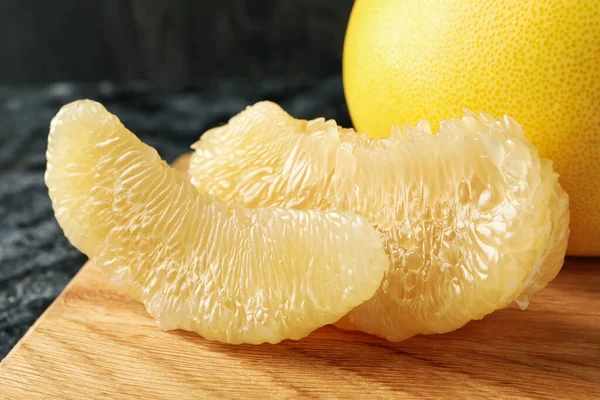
36 261
170 41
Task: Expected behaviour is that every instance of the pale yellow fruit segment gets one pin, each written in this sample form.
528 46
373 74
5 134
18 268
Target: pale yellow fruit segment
472 218
231 274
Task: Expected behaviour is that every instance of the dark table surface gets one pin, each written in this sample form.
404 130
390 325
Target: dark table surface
36 260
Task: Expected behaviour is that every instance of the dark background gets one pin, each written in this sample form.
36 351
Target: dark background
169 69
176 41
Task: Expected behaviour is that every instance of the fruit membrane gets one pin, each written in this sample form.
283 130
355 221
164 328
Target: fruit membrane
229 273
472 218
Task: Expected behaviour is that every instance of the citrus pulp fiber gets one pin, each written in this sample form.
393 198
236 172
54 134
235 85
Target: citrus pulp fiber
471 218
537 61
232 274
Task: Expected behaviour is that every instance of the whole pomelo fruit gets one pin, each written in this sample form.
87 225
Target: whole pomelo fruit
538 61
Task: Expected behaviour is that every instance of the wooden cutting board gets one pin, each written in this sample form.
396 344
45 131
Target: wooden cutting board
95 342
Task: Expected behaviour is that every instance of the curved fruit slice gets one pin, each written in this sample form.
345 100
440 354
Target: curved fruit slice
235 275
471 218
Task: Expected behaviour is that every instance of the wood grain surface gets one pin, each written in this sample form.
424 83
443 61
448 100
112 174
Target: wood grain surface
95 342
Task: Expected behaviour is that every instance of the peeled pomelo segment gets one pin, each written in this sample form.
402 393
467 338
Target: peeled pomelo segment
551 260
472 218
229 273
306 161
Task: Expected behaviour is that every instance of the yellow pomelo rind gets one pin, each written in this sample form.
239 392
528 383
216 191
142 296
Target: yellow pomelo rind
536 61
